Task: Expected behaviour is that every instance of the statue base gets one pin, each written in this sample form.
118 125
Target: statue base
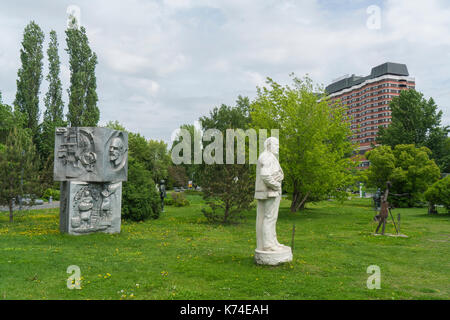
273 258
391 235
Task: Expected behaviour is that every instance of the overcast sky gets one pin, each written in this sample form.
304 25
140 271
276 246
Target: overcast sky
163 63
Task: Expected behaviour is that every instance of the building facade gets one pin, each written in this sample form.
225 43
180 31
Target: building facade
367 100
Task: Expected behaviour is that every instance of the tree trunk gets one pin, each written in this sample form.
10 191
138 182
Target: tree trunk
298 201
11 214
432 208
295 196
226 213
302 204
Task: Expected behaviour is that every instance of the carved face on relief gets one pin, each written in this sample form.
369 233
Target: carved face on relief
116 151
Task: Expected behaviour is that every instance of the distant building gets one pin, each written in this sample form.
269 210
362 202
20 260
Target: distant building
367 99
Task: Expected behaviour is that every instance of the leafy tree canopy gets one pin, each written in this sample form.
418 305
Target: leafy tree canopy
409 169
439 193
315 145
416 120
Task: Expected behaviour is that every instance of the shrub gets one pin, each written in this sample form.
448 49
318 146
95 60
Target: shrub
179 199
215 213
54 193
439 193
140 199
168 201
192 192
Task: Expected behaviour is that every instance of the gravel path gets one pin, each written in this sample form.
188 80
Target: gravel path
46 205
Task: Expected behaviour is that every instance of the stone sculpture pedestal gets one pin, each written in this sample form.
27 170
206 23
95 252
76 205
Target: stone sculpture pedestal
273 258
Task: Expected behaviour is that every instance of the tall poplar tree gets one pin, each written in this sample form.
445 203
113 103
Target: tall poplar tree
53 115
83 110
30 76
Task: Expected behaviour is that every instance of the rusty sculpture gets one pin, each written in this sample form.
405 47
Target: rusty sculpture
385 210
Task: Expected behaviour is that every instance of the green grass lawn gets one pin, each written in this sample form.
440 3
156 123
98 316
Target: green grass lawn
180 256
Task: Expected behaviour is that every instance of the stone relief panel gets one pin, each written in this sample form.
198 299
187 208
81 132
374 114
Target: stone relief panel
90 154
91 207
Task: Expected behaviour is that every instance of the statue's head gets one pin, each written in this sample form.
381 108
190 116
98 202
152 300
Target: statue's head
272 145
116 150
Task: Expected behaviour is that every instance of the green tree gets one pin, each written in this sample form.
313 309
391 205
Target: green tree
445 160
409 169
18 167
191 169
9 119
416 120
439 193
30 77
152 154
315 145
382 164
116 126
227 188
139 148
53 115
83 110
177 176
140 197
159 160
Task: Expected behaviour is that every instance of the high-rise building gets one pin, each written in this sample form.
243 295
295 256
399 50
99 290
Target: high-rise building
367 101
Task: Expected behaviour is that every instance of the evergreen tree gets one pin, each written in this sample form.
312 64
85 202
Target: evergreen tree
30 76
83 110
227 188
53 115
9 119
18 167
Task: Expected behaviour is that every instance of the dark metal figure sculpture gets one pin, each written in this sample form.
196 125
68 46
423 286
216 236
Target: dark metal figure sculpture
385 210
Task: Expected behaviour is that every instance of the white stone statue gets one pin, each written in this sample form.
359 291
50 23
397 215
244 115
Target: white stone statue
268 193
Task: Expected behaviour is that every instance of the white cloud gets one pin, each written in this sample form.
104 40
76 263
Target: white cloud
255 78
147 85
126 62
165 63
